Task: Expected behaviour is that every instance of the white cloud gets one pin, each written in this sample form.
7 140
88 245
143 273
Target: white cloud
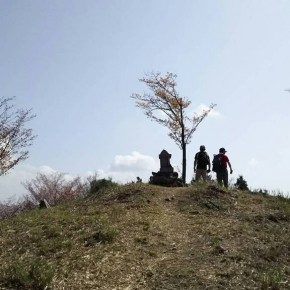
126 168
11 184
213 113
120 177
134 162
44 169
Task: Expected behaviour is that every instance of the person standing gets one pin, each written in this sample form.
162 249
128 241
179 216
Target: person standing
219 165
201 163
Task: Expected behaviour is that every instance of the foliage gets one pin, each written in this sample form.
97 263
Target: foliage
54 188
262 191
35 275
14 136
272 280
241 183
12 208
95 184
166 99
138 180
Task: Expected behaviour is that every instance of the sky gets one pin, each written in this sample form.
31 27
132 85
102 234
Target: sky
76 63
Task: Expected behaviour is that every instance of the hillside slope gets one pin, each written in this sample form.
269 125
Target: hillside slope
148 237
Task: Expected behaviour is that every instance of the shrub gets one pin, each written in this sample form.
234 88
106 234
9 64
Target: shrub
241 183
37 275
95 184
261 191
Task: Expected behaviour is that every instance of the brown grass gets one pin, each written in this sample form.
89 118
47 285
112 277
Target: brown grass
148 237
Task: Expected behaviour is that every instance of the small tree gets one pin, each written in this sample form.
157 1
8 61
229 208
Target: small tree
12 208
166 99
14 137
54 188
241 183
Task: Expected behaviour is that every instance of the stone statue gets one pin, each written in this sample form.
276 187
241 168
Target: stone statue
166 175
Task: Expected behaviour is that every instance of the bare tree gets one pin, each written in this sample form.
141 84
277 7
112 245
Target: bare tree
12 207
166 99
54 188
14 137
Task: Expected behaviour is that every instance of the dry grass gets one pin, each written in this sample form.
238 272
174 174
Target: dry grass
148 237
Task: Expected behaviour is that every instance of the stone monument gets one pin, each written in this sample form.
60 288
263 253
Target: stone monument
166 175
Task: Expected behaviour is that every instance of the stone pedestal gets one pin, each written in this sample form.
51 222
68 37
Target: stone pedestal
166 175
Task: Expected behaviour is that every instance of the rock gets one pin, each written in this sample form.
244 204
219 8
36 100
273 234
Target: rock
43 204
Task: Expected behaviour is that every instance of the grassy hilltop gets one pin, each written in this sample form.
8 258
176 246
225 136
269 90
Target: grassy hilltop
141 236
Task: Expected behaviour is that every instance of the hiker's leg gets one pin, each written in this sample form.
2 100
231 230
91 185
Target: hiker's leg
204 175
226 178
219 177
197 175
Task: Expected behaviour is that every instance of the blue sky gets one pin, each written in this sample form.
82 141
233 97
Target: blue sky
76 64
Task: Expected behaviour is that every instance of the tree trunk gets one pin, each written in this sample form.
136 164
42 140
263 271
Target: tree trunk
183 145
184 163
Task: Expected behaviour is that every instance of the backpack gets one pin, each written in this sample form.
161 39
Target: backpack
202 159
217 163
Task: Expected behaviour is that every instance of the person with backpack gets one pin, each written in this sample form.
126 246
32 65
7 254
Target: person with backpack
219 165
201 163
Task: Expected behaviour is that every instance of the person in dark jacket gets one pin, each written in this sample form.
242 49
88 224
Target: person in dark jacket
201 164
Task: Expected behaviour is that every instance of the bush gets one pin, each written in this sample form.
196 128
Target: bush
241 183
261 191
54 188
35 275
95 184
